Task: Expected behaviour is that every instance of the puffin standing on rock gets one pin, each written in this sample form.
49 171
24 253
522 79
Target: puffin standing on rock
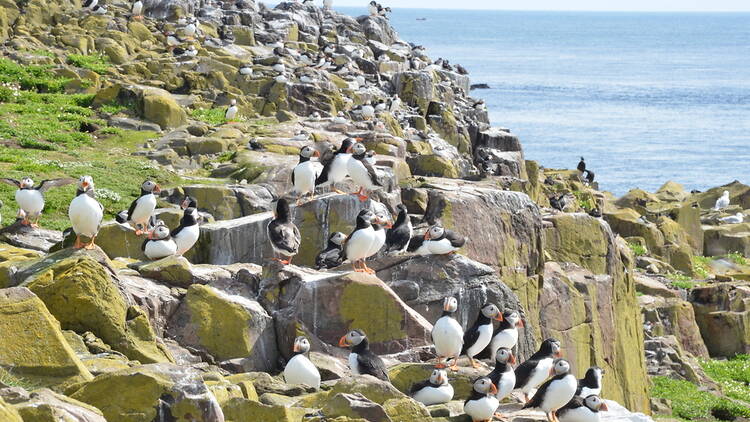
435 390
306 172
505 335
397 238
591 383
362 361
556 392
448 335
336 169
502 375
362 171
482 403
232 111
299 369
159 243
283 234
332 255
142 208
137 9
30 199
378 226
85 213
187 233
479 335
357 247
582 409
533 372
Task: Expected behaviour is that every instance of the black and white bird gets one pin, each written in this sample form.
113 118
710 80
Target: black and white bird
142 208
581 166
358 243
333 254
362 172
582 409
397 238
379 226
90 4
438 241
137 9
448 335
85 213
533 372
159 243
283 234
482 403
591 383
479 335
505 335
299 369
362 361
187 233
589 176
556 392
336 168
723 201
373 8
435 390
503 375
232 111
30 199
99 9
306 172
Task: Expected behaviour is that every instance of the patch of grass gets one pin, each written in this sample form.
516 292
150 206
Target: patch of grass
689 403
681 280
94 62
212 116
12 380
701 266
40 52
733 375
112 108
737 258
31 77
638 249
584 200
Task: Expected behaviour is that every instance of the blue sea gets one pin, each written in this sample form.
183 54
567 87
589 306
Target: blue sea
644 97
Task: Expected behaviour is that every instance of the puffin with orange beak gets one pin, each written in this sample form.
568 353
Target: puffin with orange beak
582 409
362 361
362 171
479 335
448 335
299 369
397 238
556 392
142 208
30 199
440 241
85 213
533 372
378 226
306 172
359 242
482 403
502 375
505 335
159 243
434 390
336 167
283 233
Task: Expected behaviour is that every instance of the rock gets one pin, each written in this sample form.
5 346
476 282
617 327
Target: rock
665 357
404 375
722 240
243 410
368 386
47 406
723 316
163 110
8 413
652 287
355 406
151 393
12 260
405 410
118 240
173 270
156 300
674 316
33 346
432 165
226 327
228 202
27 237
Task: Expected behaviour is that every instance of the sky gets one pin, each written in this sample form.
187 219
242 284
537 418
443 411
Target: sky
594 5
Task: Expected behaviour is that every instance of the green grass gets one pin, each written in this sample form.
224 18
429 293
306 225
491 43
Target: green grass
689 403
31 77
212 116
733 375
112 108
94 62
45 53
638 250
737 258
701 266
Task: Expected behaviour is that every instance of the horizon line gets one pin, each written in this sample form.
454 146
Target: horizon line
743 11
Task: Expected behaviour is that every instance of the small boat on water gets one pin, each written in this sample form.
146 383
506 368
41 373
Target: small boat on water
421 19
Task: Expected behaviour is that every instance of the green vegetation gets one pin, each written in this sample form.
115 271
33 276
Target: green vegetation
212 116
584 200
638 249
681 280
94 62
689 403
112 108
737 258
11 380
733 375
31 77
701 266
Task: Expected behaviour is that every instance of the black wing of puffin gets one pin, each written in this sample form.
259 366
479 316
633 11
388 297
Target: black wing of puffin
523 372
456 240
373 366
373 173
48 184
415 243
12 182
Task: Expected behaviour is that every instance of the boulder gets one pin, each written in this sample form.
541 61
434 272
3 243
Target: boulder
118 240
722 311
730 238
243 410
404 375
157 300
12 259
674 316
33 346
8 413
173 270
46 406
160 108
37 239
355 406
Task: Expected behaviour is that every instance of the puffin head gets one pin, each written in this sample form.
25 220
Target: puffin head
282 209
188 202
435 232
366 215
559 367
352 338
150 186
308 152
26 183
358 149
381 219
725 193
490 311
594 403
85 183
439 377
505 355
159 232
513 318
233 103
595 374
450 304
484 385
337 238
301 345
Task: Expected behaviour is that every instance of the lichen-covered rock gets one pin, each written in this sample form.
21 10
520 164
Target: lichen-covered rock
173 270
226 327
433 165
730 238
47 406
404 375
33 346
674 316
722 312
118 240
8 413
163 110
11 258
355 406
243 410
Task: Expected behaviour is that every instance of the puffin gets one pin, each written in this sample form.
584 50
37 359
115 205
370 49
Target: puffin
137 9
142 208
30 199
283 234
368 111
332 255
85 213
159 243
232 111
299 369
479 335
397 237
373 8
581 166
535 370
723 201
99 9
357 246
306 172
505 335
440 241
448 335
362 172
362 361
340 119
90 4
582 409
187 233
336 169
502 375
378 225
591 383
556 392
482 403
435 390
188 202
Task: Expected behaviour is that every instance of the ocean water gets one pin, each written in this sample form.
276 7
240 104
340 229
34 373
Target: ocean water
644 97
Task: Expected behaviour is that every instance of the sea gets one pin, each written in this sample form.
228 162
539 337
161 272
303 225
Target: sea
644 97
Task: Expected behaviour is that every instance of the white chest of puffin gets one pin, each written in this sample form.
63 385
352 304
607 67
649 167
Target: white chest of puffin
188 232
505 335
362 172
435 390
299 369
591 383
447 334
337 169
482 403
143 207
357 246
533 372
30 199
306 171
378 238
440 241
502 375
362 361
159 243
582 409
85 212
479 335
557 391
